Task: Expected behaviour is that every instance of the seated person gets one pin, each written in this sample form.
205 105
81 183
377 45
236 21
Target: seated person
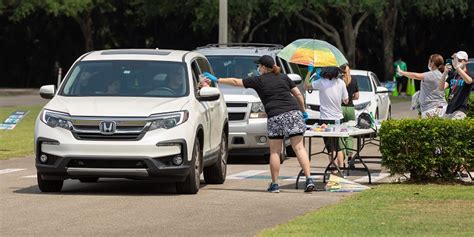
113 87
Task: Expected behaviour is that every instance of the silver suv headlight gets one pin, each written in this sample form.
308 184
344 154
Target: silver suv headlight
362 105
56 119
257 110
168 120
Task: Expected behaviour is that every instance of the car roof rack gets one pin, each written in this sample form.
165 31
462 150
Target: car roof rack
271 46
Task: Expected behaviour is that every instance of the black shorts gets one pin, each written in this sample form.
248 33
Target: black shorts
403 81
331 144
287 124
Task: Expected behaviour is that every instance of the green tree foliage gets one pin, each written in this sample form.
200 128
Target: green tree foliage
339 20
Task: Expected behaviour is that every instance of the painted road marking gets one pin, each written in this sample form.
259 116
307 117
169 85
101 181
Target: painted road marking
246 174
6 171
375 177
29 177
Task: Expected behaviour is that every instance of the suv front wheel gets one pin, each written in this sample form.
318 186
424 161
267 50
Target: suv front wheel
49 185
216 173
192 182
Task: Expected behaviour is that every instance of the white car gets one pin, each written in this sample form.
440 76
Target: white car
133 113
373 98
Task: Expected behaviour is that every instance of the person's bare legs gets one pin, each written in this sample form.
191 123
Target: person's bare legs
301 154
276 146
340 159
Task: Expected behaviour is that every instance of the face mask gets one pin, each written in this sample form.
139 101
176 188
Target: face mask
429 68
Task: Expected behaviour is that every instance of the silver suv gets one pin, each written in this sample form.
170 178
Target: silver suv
247 117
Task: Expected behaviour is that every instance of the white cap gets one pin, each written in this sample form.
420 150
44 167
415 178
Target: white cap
462 55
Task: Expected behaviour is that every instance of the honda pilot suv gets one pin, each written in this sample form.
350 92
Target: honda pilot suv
133 113
247 117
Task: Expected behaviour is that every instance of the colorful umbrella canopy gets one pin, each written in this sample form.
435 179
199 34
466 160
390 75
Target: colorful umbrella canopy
311 51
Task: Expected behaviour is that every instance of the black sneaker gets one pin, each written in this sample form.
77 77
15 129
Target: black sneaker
309 185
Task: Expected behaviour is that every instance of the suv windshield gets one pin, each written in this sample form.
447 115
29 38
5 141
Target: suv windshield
234 66
127 78
363 82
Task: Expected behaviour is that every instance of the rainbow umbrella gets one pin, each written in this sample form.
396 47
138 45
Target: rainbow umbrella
311 51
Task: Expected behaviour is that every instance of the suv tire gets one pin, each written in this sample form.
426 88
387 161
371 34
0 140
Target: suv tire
216 173
192 182
49 185
89 180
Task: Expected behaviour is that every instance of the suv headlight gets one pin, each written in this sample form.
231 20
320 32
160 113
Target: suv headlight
362 106
56 119
257 110
168 120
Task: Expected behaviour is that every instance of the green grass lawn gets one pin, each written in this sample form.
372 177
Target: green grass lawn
391 210
19 141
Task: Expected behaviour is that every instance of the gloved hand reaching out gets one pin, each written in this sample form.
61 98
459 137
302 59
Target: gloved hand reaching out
210 76
305 116
310 67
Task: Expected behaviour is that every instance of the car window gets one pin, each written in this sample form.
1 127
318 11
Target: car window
470 68
282 65
126 78
363 82
204 65
195 71
233 66
376 79
286 65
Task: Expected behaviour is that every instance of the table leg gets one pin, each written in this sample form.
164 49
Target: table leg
359 148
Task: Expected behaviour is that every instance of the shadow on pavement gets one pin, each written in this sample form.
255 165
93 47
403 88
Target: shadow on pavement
106 187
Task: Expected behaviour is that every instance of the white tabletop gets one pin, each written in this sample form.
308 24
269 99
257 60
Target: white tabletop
352 131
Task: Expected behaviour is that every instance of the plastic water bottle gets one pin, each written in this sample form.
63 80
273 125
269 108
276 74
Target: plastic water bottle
372 119
337 124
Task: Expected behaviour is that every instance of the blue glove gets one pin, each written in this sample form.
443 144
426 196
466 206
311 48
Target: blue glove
305 116
210 76
310 68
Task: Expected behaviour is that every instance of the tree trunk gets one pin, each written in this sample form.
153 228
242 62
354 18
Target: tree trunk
389 23
85 22
349 40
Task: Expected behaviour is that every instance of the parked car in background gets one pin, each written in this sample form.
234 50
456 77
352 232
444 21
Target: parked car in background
247 117
373 98
133 113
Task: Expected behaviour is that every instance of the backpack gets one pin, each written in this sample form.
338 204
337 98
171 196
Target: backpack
364 121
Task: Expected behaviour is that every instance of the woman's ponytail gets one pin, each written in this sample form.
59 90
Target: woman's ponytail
276 69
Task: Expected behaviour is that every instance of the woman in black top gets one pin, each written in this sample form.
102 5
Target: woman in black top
348 110
284 105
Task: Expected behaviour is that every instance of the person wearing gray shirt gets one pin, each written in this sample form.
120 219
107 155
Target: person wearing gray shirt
432 101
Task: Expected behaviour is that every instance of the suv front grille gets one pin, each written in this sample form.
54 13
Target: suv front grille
313 107
106 163
236 116
126 129
237 105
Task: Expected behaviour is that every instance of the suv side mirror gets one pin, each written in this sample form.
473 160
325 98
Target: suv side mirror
381 90
209 94
47 92
295 78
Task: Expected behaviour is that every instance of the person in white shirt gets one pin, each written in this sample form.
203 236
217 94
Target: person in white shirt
332 91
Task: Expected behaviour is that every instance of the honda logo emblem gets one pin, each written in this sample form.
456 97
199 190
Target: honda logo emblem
107 127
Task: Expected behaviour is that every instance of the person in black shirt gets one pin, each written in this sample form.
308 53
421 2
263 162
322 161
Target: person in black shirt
284 105
348 110
460 84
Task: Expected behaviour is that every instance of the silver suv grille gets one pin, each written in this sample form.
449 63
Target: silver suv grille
237 110
125 130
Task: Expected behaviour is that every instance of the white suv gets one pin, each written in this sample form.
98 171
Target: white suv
248 120
133 113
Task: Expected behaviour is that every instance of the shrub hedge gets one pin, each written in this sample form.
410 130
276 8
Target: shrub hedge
470 108
427 148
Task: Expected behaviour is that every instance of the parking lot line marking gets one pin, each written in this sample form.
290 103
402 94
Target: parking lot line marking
30 176
375 177
303 178
246 174
6 171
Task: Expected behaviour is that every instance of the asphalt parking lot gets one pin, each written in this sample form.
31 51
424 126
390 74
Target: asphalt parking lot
240 207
